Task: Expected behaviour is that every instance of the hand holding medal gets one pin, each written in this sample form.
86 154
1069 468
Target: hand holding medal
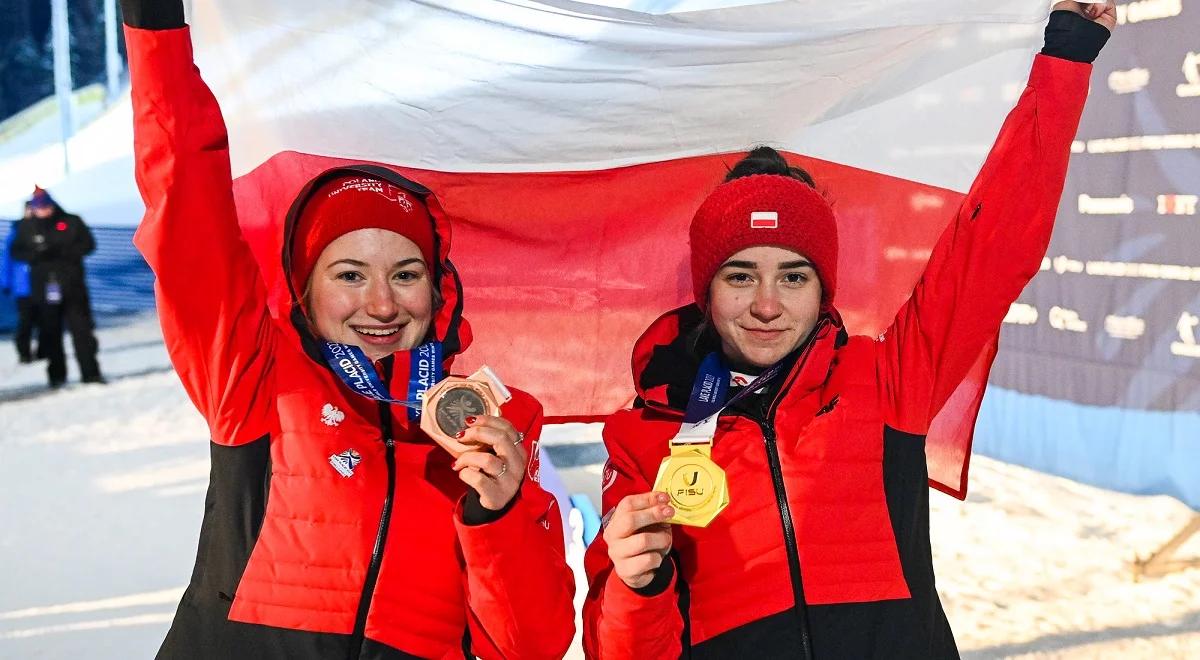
460 414
448 405
695 484
463 416
639 537
495 466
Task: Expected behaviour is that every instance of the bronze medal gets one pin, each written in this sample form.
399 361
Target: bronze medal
446 406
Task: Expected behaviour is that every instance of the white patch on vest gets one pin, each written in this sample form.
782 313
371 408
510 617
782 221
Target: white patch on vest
331 416
345 462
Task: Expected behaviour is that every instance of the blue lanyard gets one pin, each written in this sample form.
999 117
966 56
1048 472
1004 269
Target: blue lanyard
712 386
356 371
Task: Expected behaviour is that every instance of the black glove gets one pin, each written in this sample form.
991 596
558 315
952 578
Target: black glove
1070 36
153 14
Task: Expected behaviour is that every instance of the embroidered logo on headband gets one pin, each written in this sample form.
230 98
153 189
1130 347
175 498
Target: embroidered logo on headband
764 220
382 188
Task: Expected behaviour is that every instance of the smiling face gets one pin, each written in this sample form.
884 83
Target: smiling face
764 301
372 289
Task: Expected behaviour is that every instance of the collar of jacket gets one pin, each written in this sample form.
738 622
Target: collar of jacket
448 327
667 357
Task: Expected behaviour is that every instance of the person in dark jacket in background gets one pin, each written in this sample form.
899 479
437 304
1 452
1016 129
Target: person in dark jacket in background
823 548
54 243
14 281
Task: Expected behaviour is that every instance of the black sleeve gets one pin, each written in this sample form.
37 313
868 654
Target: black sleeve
153 14
475 513
1071 36
22 247
661 580
83 242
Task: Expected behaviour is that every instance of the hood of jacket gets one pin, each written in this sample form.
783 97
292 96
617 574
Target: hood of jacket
448 325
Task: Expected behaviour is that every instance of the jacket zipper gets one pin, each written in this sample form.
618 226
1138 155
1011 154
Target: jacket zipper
789 535
781 501
385 518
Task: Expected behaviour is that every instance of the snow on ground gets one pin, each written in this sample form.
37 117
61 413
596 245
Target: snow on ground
127 348
1038 566
104 488
100 186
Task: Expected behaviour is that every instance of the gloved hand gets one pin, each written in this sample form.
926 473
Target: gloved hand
153 14
1077 31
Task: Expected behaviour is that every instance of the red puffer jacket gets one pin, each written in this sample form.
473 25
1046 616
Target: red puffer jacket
824 550
333 526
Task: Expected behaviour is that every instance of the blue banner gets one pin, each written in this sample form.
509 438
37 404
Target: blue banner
1098 374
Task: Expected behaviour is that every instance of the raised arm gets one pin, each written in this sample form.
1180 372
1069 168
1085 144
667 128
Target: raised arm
519 588
211 299
998 237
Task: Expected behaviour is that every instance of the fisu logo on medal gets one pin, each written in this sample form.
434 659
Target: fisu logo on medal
691 485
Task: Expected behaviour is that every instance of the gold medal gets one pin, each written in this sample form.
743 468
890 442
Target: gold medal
695 484
447 405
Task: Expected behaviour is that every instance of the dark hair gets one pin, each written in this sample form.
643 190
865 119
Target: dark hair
765 160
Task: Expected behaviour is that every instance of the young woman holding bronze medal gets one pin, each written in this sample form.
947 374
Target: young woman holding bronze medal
767 494
360 504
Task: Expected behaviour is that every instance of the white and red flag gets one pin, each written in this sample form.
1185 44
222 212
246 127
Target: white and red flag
572 141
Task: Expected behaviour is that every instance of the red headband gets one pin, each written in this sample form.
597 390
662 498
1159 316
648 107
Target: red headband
763 209
349 203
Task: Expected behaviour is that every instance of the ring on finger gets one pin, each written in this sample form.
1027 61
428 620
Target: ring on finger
503 469
520 438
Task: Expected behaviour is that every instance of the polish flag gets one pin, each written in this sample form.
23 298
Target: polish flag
764 220
571 142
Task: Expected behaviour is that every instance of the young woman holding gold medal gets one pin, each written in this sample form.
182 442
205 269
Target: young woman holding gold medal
766 496
360 504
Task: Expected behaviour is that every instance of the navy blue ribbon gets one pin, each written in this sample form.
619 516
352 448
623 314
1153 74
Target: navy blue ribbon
712 386
709 390
356 371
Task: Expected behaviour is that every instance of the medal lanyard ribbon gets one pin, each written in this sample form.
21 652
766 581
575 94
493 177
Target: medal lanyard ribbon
356 371
708 399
